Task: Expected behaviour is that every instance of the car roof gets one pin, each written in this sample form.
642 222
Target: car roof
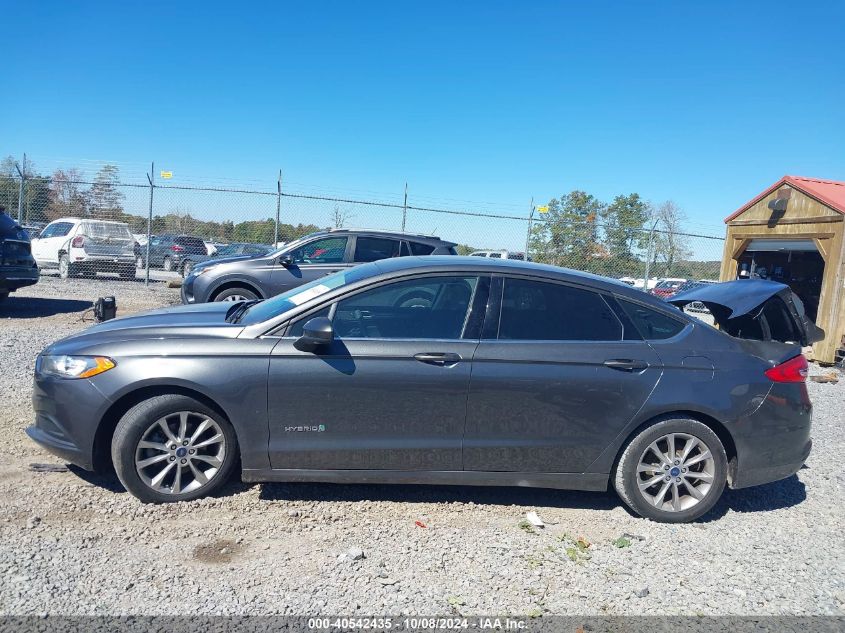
467 263
417 237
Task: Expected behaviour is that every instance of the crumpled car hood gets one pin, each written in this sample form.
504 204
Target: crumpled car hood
738 297
734 304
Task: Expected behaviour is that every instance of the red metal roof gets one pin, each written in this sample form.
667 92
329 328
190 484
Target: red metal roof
828 192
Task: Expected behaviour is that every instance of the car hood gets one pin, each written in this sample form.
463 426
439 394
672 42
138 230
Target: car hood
213 261
731 302
187 321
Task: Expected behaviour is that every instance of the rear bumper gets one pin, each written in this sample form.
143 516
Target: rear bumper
774 442
13 277
105 261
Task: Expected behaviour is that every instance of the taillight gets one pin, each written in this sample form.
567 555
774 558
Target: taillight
176 248
78 241
793 370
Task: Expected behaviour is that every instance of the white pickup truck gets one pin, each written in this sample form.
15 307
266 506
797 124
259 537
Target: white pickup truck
84 247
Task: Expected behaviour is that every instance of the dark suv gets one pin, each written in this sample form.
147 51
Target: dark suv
173 252
303 260
17 267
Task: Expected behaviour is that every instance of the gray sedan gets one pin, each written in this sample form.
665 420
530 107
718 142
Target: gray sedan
447 370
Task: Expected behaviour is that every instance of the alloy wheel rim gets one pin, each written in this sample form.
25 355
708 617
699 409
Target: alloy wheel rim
235 298
180 452
676 472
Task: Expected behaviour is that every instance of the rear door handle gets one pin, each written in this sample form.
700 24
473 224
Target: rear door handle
626 364
438 358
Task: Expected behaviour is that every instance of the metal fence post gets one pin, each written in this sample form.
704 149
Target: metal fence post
405 208
528 233
278 209
648 256
21 188
151 177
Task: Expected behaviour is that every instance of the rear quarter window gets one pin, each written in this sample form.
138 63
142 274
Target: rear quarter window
418 248
651 324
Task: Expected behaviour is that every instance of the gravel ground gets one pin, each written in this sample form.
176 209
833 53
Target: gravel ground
73 543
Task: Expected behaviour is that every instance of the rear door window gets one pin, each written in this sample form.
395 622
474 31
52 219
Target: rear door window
57 229
546 311
651 324
371 249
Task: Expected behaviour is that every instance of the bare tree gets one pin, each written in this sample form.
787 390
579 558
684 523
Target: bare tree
340 218
66 196
670 243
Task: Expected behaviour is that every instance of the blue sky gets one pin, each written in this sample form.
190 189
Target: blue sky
495 102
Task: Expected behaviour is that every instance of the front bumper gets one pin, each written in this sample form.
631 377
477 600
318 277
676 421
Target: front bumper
67 414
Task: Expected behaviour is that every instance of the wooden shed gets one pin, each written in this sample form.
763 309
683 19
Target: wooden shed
793 233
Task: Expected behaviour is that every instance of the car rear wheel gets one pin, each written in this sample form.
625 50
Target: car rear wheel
673 471
66 269
235 295
173 448
167 264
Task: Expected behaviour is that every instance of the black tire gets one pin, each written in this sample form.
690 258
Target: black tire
626 477
226 295
66 268
127 272
167 264
137 421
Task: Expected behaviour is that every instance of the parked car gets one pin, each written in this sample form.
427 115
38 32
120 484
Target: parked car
34 229
500 254
695 306
17 266
174 252
301 261
448 370
83 246
667 287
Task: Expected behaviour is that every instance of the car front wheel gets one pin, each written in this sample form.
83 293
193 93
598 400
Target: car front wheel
235 295
173 448
673 471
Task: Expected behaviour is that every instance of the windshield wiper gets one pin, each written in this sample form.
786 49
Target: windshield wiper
237 311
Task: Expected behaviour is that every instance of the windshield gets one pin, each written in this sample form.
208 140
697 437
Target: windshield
280 304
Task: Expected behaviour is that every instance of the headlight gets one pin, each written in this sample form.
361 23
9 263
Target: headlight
196 272
73 366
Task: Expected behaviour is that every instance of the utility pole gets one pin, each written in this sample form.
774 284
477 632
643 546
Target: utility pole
278 208
405 208
151 177
528 233
21 188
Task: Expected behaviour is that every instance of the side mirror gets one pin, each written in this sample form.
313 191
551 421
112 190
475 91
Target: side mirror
286 260
316 332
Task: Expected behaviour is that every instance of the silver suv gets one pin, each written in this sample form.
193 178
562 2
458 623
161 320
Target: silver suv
303 260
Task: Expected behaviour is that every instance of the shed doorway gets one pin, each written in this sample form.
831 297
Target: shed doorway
796 263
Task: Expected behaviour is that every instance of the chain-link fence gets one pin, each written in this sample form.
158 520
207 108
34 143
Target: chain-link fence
605 242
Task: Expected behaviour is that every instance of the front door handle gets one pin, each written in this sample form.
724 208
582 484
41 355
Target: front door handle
438 358
626 364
